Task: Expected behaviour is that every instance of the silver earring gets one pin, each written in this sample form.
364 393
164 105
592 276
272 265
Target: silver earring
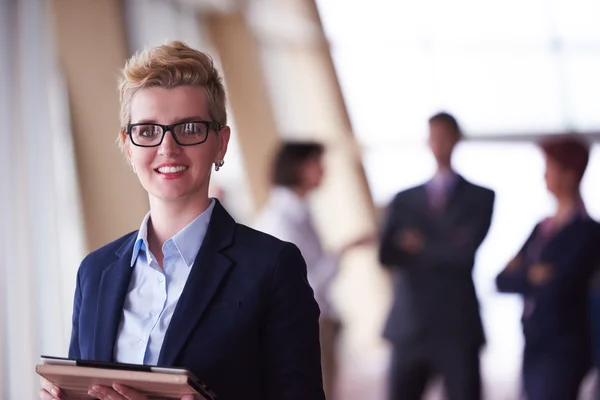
219 164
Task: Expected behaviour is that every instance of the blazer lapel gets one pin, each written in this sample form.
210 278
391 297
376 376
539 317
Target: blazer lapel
111 296
454 197
421 206
210 268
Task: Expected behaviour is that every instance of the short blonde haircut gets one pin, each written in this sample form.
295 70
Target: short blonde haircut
168 66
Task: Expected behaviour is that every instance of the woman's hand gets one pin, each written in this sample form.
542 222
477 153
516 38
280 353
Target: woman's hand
410 241
540 273
120 392
513 264
117 392
49 391
359 242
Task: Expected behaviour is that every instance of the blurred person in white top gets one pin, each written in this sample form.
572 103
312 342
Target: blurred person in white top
297 170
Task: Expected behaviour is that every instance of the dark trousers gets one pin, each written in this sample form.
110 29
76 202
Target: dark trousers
553 377
413 369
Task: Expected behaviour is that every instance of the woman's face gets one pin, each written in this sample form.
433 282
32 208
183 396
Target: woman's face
311 172
559 181
171 172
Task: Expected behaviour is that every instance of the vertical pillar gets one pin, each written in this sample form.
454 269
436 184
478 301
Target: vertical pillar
92 48
308 104
256 127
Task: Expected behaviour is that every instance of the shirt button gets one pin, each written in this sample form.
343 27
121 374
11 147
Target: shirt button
142 343
161 278
154 313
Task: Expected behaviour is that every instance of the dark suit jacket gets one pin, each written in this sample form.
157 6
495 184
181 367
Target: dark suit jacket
595 317
559 321
246 323
434 294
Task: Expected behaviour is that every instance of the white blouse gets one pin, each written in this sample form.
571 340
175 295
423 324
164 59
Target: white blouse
287 217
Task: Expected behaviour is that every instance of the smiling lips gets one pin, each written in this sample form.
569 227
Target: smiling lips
171 171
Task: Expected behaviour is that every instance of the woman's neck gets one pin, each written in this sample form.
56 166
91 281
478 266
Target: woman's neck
566 206
169 217
300 191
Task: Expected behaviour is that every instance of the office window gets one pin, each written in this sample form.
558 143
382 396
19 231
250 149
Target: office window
510 67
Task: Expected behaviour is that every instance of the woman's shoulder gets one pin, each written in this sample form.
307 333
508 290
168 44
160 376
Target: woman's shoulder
106 254
258 243
246 235
259 254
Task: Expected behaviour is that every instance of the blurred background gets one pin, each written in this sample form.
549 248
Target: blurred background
360 76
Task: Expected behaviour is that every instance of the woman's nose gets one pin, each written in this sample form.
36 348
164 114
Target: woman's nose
169 146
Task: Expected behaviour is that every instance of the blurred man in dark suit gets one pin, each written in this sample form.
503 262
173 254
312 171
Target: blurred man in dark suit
429 241
595 321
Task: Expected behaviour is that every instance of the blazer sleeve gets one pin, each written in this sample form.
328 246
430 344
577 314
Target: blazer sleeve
74 351
595 313
455 251
514 280
572 268
390 254
292 354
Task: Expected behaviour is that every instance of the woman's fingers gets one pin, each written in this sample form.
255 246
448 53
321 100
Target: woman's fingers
117 392
49 390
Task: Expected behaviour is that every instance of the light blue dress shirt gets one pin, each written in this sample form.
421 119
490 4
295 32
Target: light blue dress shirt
153 291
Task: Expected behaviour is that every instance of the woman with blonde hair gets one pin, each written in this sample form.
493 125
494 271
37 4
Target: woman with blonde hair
192 288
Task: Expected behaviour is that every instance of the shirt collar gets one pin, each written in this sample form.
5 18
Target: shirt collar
141 242
443 180
549 225
444 176
187 241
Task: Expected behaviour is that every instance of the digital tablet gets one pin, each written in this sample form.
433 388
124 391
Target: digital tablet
76 377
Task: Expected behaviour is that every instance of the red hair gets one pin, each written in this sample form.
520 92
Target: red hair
571 153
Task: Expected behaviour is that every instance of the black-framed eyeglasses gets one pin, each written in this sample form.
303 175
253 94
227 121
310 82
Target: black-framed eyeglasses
188 133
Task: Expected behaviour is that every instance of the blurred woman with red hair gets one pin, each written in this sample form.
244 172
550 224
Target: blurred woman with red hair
553 273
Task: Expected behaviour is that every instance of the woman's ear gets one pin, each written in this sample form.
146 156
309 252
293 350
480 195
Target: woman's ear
127 148
223 136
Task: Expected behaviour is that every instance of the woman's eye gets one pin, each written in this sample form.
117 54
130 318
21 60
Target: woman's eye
148 131
190 129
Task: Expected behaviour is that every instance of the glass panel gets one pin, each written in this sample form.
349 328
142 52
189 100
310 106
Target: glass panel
582 87
475 20
463 20
153 23
577 19
347 21
389 96
497 65
500 92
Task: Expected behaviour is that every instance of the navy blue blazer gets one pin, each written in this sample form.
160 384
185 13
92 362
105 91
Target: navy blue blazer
246 323
556 319
595 317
